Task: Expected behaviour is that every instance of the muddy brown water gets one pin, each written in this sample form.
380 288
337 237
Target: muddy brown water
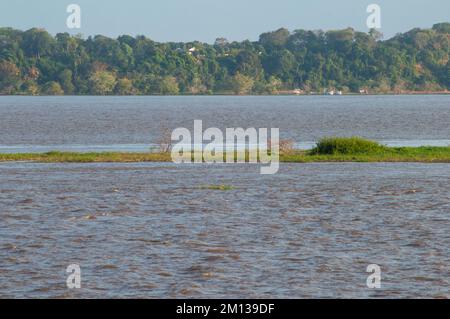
154 230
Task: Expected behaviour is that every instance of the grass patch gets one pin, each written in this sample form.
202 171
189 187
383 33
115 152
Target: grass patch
386 155
332 149
70 157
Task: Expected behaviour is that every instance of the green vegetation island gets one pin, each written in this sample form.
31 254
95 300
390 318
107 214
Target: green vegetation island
34 62
332 149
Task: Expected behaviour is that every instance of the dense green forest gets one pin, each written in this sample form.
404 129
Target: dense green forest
34 62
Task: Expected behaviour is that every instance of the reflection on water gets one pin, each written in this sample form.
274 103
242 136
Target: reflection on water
152 230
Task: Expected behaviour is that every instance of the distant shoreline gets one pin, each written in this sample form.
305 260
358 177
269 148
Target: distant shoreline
333 62
283 93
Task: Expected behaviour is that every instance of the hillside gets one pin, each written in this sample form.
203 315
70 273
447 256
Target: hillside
35 62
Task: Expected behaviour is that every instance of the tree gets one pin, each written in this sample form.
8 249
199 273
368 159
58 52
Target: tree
65 78
242 84
281 64
341 40
33 73
221 42
375 34
169 86
30 87
274 39
52 88
442 27
124 86
446 76
37 42
197 87
274 84
102 82
9 77
248 63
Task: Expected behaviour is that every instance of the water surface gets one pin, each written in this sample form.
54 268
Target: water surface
155 230
152 230
39 124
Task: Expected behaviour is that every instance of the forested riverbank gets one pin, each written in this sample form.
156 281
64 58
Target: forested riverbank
34 62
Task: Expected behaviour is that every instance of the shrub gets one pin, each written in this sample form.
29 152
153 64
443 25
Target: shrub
287 146
52 88
347 145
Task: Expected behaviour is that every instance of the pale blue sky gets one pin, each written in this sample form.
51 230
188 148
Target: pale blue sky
205 20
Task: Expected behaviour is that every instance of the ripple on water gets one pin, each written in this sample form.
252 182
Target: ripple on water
309 231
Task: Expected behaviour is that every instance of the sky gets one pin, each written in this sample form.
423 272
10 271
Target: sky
206 20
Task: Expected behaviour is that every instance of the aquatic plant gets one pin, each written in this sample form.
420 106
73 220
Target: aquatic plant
218 187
